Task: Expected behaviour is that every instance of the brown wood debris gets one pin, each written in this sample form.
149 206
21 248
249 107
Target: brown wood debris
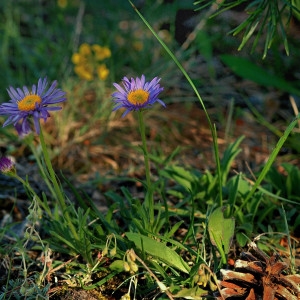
257 276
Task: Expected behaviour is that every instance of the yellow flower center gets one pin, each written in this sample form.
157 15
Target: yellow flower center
28 102
138 97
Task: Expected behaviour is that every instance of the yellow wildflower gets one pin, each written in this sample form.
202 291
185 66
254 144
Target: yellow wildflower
77 59
138 45
62 3
101 52
102 72
85 49
88 61
84 72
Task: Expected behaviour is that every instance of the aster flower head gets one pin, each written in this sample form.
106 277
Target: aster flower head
25 104
7 166
137 94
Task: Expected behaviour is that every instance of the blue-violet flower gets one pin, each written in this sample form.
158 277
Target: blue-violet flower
25 104
137 94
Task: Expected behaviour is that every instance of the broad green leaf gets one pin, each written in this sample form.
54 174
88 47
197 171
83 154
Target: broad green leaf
158 250
249 70
117 265
194 293
221 231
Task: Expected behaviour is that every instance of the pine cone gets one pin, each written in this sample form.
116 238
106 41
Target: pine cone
258 276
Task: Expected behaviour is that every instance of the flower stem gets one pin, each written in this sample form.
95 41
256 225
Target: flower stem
144 147
29 142
57 189
33 193
149 197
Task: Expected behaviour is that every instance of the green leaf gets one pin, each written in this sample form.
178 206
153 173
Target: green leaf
221 231
182 176
242 239
247 35
229 155
158 250
173 229
101 282
117 265
296 8
249 70
194 293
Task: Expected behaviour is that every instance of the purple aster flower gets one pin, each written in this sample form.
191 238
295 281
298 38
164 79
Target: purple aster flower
137 94
25 104
6 165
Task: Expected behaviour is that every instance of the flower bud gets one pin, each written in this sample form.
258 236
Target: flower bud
7 166
126 266
113 252
105 251
131 255
133 267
